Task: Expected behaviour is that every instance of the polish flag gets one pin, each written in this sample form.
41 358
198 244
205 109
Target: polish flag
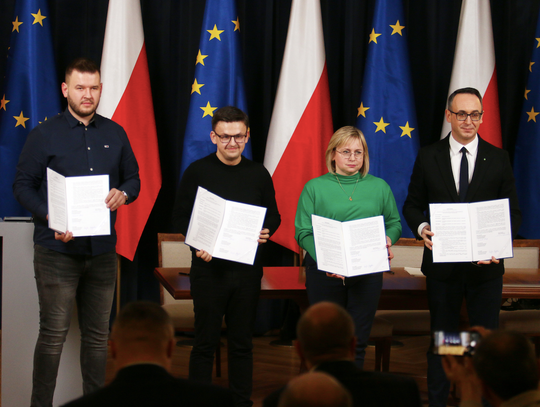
301 124
127 99
474 66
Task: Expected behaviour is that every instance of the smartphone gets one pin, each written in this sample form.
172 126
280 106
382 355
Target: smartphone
455 343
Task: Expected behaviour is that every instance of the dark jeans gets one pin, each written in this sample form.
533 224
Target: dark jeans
234 294
358 295
61 280
483 302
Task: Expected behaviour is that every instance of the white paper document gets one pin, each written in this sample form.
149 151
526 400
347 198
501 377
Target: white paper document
350 248
78 204
226 229
471 231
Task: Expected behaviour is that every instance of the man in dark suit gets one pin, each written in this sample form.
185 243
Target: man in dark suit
142 342
460 168
326 343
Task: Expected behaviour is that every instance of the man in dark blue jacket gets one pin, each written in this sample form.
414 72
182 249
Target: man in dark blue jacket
77 142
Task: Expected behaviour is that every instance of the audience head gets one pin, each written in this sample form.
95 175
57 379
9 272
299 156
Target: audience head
142 333
315 389
506 363
325 332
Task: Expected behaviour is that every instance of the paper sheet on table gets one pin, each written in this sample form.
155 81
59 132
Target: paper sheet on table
414 271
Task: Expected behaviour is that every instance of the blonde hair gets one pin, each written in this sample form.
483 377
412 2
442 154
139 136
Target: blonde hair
340 137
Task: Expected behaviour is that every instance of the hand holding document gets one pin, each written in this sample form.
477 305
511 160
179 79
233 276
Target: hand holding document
225 229
78 204
471 232
350 248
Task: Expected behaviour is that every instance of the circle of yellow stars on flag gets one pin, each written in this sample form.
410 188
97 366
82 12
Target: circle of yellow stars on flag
215 33
532 114
397 28
38 19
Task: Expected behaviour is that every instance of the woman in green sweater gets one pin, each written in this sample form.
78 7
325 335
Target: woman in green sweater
346 192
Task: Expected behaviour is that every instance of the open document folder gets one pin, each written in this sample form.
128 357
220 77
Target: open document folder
226 229
78 204
471 231
350 248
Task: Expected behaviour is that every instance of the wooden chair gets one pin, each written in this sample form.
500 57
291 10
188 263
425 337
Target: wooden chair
173 252
381 337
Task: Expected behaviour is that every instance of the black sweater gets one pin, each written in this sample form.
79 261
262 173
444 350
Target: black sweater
247 182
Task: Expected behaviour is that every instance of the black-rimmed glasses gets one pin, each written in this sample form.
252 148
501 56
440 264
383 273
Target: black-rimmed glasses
239 138
462 116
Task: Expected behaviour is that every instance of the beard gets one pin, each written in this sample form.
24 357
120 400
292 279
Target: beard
81 111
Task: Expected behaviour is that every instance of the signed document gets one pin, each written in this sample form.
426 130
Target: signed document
350 248
226 229
78 204
471 231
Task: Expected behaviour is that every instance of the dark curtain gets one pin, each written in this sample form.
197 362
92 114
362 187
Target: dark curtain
172 30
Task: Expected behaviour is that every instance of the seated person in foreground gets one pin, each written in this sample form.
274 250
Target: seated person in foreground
326 343
315 389
504 370
142 343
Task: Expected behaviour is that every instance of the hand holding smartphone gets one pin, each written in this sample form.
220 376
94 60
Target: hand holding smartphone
455 343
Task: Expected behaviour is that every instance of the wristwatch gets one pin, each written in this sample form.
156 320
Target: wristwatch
126 195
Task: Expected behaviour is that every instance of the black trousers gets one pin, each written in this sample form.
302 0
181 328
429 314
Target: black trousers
233 294
483 301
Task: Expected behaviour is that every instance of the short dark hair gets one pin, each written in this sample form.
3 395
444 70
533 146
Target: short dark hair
325 330
470 91
148 319
229 114
506 362
82 64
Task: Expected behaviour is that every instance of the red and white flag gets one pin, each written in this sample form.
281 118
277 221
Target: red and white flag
127 99
474 65
301 124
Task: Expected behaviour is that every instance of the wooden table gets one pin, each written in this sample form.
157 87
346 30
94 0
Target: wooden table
400 289
277 282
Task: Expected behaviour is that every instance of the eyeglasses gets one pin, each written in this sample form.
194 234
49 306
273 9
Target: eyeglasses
239 138
462 116
347 154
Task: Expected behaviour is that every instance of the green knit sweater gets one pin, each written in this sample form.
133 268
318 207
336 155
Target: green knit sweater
323 196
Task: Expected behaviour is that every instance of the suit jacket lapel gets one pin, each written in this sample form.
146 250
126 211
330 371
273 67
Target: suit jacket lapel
445 167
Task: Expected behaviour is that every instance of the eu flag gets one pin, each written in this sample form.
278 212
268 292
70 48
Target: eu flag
31 93
386 114
526 163
219 79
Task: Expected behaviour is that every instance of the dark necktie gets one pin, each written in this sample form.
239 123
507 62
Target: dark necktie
463 175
